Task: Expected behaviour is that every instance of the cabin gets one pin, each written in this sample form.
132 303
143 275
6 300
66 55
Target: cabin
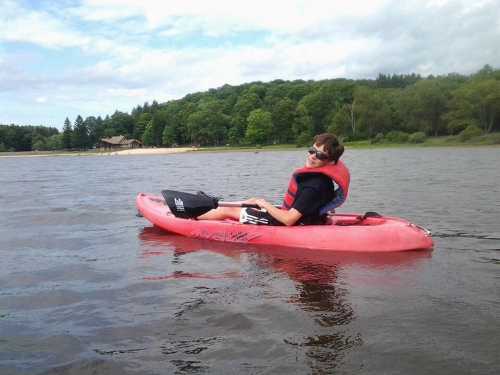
118 142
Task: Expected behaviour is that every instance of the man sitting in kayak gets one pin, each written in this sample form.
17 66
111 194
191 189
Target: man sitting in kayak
311 192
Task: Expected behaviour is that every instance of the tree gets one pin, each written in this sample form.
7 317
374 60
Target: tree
302 127
67 134
55 142
169 135
39 142
176 114
95 127
208 125
476 102
158 122
147 137
246 103
80 134
283 115
341 123
122 124
260 127
318 105
372 111
431 104
141 124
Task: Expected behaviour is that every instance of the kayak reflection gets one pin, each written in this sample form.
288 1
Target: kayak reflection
300 265
320 294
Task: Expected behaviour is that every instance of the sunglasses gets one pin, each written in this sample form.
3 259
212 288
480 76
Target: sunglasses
320 155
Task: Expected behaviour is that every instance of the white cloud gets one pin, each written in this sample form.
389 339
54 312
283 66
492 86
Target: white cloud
41 99
226 16
37 27
135 51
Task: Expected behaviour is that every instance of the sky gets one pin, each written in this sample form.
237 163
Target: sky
63 58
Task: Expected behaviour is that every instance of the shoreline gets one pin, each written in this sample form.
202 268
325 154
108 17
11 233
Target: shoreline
132 151
360 145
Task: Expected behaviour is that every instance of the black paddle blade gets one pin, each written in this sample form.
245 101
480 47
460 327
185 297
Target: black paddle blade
186 205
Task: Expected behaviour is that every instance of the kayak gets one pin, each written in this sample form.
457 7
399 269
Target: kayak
344 232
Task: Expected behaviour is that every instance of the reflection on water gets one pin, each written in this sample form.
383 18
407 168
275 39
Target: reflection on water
319 290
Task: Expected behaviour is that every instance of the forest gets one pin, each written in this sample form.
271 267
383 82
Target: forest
390 108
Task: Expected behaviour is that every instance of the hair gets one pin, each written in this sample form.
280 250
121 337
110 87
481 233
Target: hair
331 145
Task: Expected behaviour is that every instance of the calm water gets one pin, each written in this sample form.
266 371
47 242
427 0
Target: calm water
87 287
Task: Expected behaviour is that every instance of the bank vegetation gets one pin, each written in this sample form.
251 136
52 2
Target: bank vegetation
391 109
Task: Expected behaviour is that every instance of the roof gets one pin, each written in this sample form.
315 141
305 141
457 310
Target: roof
116 140
119 140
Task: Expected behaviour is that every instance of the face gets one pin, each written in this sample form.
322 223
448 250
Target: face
312 160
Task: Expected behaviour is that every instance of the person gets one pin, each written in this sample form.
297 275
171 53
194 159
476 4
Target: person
311 193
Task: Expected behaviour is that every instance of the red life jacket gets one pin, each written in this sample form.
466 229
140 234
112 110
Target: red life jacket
337 172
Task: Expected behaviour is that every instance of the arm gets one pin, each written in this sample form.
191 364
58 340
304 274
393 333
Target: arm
287 217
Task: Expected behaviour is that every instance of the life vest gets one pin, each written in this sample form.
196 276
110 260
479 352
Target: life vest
337 172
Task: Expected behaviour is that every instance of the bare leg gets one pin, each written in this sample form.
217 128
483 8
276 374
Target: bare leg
221 213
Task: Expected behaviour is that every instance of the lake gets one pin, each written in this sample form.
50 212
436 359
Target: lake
87 287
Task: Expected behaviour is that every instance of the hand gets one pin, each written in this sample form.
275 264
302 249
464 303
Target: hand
262 203
250 201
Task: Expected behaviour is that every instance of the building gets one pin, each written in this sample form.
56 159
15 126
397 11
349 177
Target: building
118 142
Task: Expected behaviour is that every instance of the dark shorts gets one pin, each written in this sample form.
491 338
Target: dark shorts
257 217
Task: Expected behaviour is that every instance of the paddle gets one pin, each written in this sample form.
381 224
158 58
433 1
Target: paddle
187 206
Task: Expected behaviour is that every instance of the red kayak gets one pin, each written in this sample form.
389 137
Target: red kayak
345 232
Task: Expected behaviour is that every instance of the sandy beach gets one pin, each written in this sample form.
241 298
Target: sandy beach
150 151
134 151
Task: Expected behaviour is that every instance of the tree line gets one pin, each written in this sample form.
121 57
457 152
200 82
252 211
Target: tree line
391 107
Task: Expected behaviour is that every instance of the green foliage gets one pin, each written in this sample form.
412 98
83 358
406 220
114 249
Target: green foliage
372 111
67 134
260 127
494 139
304 139
396 81
283 115
147 137
141 123
54 142
469 132
397 136
318 105
395 105
379 138
38 143
477 102
417 137
169 136
80 136
208 124
341 122
157 125
302 126
25 138
95 128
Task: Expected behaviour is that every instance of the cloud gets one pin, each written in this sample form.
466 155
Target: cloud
115 54
37 27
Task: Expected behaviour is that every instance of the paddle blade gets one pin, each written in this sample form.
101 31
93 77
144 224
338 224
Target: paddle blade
186 205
